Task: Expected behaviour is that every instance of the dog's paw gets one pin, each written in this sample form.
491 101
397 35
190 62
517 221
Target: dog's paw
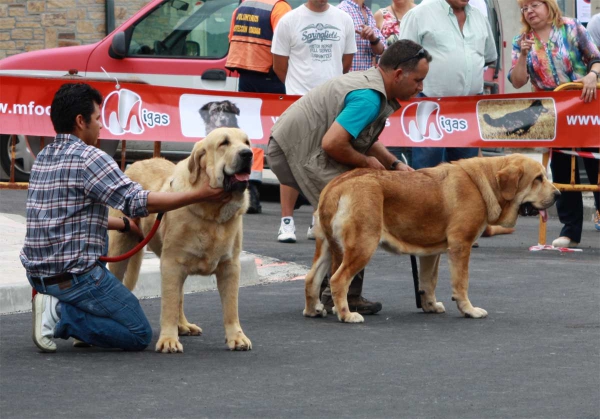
239 342
189 329
352 318
433 307
167 344
319 311
476 313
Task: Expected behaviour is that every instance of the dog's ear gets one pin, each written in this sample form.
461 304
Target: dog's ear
204 112
195 164
508 180
234 109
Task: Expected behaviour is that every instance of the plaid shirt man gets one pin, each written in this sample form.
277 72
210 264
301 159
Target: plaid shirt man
363 59
70 188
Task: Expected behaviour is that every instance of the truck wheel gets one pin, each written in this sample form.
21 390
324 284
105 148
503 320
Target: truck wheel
24 157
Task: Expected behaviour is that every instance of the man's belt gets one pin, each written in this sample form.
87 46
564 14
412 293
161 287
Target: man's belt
57 279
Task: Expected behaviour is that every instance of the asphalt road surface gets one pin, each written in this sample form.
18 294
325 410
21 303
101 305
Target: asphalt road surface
535 356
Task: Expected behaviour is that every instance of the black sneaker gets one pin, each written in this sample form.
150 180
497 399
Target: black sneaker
358 305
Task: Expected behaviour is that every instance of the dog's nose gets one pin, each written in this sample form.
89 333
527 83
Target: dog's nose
246 154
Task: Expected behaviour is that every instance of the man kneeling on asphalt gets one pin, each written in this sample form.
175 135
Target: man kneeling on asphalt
334 128
72 184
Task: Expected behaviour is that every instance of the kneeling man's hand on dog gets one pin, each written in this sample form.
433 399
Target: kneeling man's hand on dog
404 167
208 194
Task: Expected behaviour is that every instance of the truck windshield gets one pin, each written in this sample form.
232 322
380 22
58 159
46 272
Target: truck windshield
182 29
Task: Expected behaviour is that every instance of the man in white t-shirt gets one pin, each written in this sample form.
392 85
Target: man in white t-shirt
311 44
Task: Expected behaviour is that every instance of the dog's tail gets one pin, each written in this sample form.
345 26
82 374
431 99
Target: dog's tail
491 121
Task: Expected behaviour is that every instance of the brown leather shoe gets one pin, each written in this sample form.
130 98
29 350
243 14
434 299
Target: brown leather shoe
358 305
361 305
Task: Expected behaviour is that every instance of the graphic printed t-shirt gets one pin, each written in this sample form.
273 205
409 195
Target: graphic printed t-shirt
315 43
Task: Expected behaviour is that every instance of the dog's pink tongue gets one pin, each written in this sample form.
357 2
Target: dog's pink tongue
242 177
544 215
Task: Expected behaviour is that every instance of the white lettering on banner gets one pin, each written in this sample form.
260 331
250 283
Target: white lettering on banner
583 119
22 109
155 118
274 119
451 124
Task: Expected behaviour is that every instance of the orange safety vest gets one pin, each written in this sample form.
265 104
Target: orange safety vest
252 35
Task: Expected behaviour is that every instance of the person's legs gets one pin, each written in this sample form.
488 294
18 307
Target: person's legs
423 157
569 204
356 302
98 309
457 153
591 168
288 189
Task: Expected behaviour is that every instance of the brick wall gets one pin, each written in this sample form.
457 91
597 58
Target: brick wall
28 25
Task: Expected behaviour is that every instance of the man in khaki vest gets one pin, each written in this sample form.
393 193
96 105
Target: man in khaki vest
334 128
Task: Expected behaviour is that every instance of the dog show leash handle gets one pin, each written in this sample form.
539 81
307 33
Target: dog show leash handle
415 272
139 246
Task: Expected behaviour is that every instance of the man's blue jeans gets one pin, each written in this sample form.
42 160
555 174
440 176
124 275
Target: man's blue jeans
98 309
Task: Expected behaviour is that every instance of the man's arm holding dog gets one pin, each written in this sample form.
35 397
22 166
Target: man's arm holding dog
381 153
167 201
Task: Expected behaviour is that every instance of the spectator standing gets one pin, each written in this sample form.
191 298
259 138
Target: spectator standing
593 28
335 127
552 50
388 19
72 184
370 43
250 40
461 43
312 44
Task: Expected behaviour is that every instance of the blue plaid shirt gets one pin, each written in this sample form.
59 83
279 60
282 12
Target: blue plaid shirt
70 188
363 59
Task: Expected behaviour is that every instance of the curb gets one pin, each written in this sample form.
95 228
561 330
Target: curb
16 298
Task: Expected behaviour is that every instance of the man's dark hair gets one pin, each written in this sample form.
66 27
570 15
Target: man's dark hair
404 54
70 100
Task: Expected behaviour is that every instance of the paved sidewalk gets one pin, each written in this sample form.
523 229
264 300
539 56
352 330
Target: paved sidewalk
15 291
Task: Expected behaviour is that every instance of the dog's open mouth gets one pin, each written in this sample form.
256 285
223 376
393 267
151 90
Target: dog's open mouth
238 182
527 209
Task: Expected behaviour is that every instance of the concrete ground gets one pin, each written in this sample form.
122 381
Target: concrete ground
535 356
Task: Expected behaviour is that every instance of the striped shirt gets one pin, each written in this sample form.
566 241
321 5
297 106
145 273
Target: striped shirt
363 59
70 188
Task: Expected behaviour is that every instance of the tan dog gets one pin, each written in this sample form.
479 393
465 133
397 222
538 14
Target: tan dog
425 213
200 239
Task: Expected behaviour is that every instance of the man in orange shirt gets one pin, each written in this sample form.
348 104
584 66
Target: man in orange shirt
250 37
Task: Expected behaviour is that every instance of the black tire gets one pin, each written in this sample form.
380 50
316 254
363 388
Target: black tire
21 172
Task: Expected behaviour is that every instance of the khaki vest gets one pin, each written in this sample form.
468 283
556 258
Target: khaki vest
300 129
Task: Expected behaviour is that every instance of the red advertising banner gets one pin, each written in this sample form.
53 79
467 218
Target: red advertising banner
155 113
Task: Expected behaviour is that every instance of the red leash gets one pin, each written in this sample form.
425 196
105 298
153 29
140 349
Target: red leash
139 246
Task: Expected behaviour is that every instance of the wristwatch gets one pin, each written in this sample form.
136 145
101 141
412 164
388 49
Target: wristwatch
394 164
126 227
595 72
375 42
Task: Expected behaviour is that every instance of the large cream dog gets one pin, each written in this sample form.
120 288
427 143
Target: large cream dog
200 239
425 213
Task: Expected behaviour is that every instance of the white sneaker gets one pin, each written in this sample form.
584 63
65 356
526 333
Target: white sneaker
564 241
44 321
310 234
287 231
